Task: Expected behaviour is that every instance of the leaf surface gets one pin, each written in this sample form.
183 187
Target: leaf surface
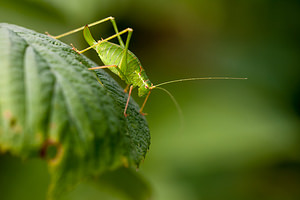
52 106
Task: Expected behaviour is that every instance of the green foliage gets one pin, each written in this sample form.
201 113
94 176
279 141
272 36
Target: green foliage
53 107
121 182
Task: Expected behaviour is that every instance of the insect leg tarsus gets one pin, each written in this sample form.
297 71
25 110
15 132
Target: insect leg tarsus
74 48
126 88
129 94
49 35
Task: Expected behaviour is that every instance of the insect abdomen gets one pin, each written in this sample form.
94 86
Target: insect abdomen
111 54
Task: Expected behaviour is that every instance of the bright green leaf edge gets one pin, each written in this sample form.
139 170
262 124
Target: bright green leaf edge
49 99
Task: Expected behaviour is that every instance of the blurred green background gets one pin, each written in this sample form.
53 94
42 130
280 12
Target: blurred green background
240 139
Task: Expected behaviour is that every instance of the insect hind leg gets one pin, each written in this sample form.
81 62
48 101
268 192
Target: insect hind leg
123 62
112 19
80 28
129 30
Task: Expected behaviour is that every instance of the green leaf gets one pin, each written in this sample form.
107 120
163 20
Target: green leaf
53 107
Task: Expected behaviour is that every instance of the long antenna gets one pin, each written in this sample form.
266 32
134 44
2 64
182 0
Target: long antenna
194 79
176 104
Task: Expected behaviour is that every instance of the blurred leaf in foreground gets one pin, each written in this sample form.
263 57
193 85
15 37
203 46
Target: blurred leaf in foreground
53 107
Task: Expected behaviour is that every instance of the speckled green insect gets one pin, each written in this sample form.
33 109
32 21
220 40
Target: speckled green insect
123 62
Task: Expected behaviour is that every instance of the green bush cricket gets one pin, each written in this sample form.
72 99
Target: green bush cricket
123 62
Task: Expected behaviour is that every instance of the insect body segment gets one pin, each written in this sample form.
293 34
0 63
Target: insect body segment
123 62
128 68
